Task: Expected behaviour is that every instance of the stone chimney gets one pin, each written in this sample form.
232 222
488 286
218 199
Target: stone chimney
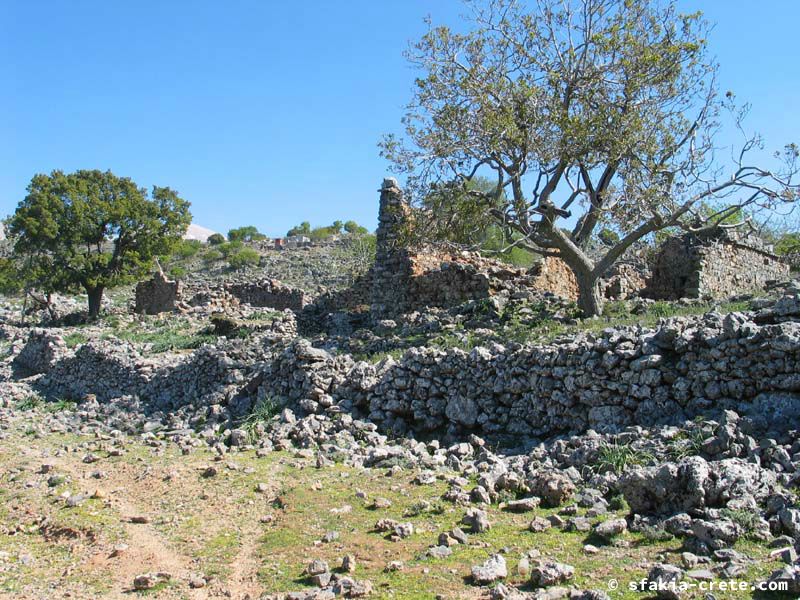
392 269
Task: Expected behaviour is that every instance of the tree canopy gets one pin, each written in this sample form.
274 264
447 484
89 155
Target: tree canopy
245 234
93 230
587 115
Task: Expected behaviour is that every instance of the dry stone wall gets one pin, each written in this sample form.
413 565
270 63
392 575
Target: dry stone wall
716 264
407 279
686 367
156 295
269 293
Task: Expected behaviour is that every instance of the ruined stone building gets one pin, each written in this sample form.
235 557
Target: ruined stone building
156 295
406 278
716 263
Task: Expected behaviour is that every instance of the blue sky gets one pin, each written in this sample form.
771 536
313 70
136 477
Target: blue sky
268 112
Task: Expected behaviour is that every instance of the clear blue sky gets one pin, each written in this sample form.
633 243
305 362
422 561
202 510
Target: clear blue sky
268 112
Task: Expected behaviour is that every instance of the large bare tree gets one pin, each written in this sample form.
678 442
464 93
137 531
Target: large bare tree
589 114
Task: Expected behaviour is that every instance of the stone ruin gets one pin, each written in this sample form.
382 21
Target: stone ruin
268 293
156 295
406 279
716 263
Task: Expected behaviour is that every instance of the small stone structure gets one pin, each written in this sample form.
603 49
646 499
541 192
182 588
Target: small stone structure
156 295
406 279
716 263
268 293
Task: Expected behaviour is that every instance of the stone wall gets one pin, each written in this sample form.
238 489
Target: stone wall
716 264
156 295
411 278
688 366
392 270
268 293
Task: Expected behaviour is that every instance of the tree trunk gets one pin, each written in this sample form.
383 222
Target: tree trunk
590 301
95 301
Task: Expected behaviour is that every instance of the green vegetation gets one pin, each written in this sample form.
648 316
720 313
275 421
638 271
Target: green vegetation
92 230
324 233
186 249
617 458
167 338
245 257
264 410
603 122
215 239
75 338
688 443
245 234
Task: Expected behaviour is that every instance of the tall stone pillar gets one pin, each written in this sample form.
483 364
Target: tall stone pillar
392 269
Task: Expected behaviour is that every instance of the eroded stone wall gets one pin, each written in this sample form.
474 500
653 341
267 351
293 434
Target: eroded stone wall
688 366
156 295
717 264
411 278
268 293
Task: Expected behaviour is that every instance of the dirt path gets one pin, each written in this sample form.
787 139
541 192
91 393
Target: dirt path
146 550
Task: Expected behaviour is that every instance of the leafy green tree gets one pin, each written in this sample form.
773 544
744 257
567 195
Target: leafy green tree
215 239
245 234
354 228
589 113
303 229
92 230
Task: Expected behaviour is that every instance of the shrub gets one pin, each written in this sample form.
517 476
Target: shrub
215 239
229 248
177 272
187 248
243 258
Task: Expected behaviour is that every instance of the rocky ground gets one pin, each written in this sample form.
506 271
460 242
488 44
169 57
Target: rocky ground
325 505
125 492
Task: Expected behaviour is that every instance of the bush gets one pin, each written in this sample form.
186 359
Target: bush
230 248
187 248
177 272
215 239
243 258
212 255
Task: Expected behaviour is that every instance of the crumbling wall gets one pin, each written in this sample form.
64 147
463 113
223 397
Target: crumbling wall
715 264
624 281
553 275
392 270
156 295
268 293
406 279
626 376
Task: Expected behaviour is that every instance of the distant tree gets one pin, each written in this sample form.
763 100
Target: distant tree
303 229
590 113
245 234
92 230
215 239
354 228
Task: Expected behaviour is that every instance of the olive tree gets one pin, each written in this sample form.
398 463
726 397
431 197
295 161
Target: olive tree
92 230
589 115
